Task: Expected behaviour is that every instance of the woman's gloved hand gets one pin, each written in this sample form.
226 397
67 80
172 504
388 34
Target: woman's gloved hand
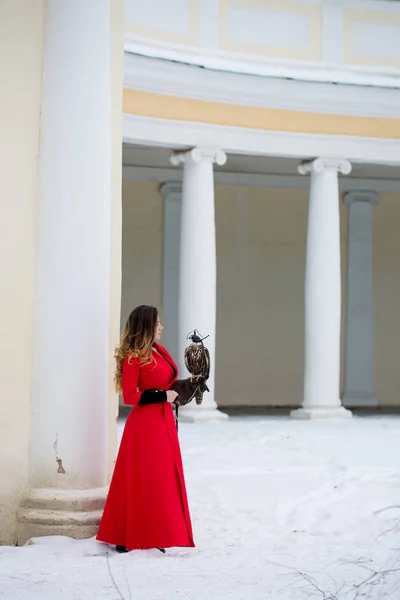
188 389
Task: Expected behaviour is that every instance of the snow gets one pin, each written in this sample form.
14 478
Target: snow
281 509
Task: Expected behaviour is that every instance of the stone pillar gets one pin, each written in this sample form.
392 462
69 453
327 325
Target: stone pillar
198 263
359 380
323 293
172 193
69 415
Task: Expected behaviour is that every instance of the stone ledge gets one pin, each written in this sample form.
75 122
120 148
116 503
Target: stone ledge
338 412
196 415
73 513
58 518
65 499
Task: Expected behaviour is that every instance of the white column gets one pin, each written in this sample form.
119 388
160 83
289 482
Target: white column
323 293
68 452
198 264
172 193
359 382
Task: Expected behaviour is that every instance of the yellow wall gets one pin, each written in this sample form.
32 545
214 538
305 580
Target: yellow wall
21 39
268 119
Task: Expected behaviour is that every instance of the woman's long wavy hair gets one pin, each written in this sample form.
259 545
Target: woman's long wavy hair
136 340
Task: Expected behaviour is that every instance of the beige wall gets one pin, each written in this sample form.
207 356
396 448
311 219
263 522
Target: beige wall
21 38
261 249
261 237
386 227
261 244
142 239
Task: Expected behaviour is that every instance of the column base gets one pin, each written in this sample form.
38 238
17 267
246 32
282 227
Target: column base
337 412
74 513
360 400
196 415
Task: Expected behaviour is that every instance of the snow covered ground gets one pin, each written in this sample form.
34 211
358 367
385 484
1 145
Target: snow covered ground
282 510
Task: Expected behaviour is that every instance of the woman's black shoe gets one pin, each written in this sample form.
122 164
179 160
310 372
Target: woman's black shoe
162 550
121 549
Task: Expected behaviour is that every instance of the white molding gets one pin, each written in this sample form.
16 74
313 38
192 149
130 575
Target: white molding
294 182
319 165
361 196
187 81
380 5
197 155
332 33
262 66
238 140
170 188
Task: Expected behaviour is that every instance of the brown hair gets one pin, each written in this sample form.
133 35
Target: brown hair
136 340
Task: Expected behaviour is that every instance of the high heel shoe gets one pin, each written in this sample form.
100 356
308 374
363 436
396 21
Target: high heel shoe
121 549
161 550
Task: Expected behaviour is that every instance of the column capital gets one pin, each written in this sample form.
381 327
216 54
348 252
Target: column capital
361 196
171 188
197 155
319 165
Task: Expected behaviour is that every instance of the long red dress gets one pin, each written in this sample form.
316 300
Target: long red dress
147 506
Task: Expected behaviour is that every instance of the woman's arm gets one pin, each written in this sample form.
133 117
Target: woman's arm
130 378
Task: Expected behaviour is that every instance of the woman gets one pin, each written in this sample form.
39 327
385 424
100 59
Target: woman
146 505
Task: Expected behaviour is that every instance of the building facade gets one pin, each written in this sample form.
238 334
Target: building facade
236 163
